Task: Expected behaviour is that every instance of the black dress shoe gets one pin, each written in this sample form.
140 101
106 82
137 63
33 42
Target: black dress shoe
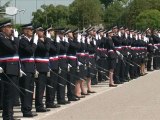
82 96
42 110
85 93
118 82
30 114
110 85
88 91
64 102
53 106
73 99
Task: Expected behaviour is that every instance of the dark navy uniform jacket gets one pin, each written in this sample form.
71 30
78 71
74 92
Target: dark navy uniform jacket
9 58
53 55
42 55
26 52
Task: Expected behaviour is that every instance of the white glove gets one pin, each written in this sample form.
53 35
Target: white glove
131 36
156 47
126 35
48 34
69 66
97 36
140 37
66 39
88 40
22 73
57 39
79 63
118 52
119 34
94 42
49 74
79 38
15 32
35 40
1 70
36 74
128 53
136 37
12 38
83 39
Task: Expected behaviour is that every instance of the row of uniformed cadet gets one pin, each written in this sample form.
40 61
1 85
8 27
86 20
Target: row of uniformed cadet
62 57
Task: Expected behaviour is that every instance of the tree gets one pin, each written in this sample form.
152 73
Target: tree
114 12
85 12
2 9
148 18
108 2
138 6
57 16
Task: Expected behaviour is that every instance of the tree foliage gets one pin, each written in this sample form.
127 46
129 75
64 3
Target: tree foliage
51 15
82 13
2 9
148 18
85 12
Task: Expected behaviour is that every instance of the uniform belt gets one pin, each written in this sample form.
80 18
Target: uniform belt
9 59
55 58
111 51
134 48
27 59
118 48
150 44
91 56
80 54
72 57
125 46
157 44
41 60
100 49
62 56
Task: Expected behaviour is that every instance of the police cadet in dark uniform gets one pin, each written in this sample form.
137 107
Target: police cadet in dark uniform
112 56
156 41
150 49
91 62
82 68
124 66
27 47
73 63
42 61
10 65
101 56
63 67
118 73
132 54
143 47
54 66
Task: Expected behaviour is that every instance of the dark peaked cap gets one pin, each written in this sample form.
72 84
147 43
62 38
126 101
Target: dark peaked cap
68 31
100 30
5 23
76 31
114 27
60 30
40 28
27 26
49 29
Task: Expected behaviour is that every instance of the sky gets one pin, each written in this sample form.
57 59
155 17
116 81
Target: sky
31 6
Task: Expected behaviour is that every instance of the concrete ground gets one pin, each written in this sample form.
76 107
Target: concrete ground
138 99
